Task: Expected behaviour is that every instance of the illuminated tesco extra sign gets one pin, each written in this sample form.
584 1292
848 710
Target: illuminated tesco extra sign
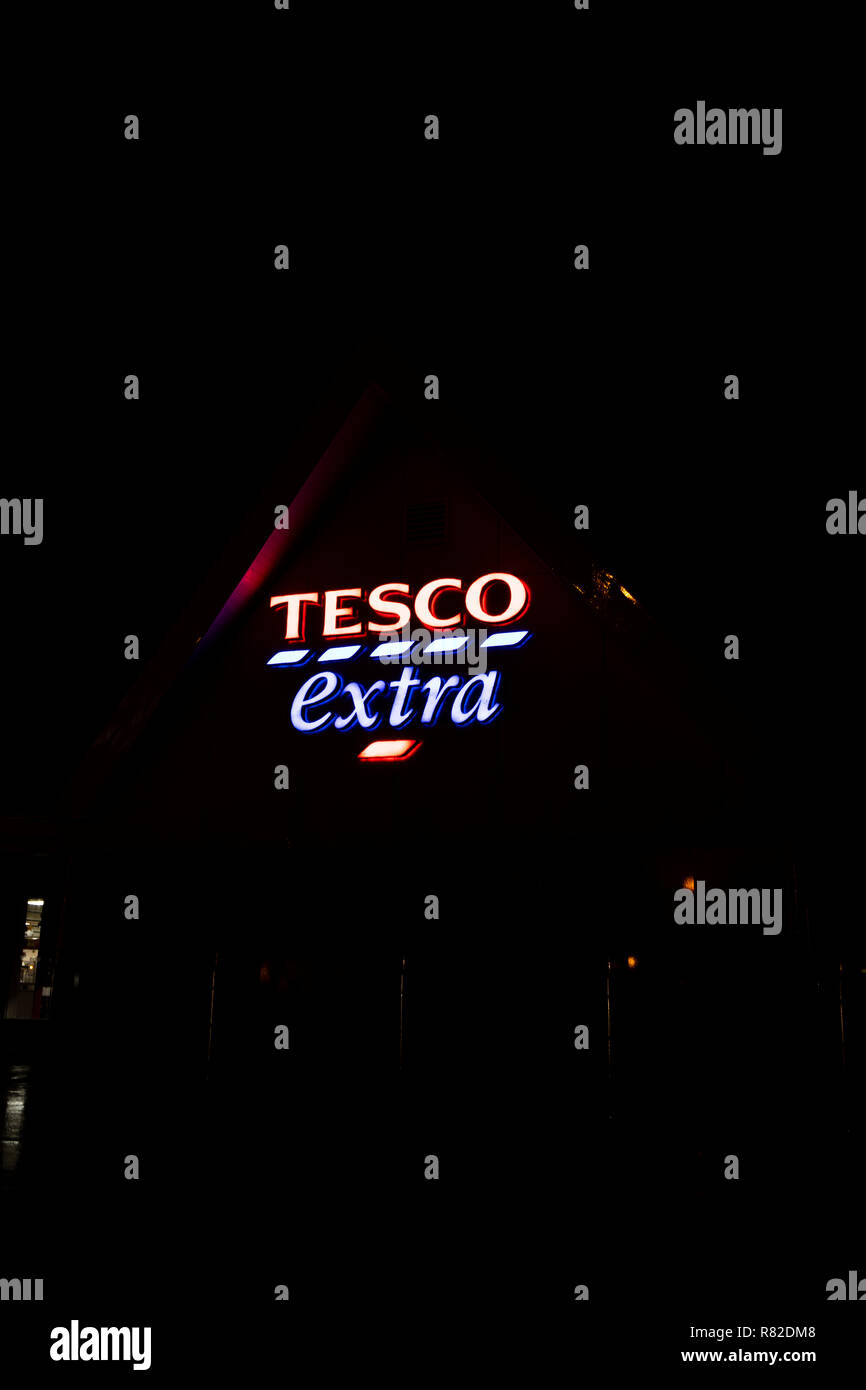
325 700
340 618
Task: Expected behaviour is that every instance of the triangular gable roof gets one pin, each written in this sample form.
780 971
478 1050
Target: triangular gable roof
210 614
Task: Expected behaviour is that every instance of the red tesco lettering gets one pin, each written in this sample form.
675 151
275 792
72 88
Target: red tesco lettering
435 606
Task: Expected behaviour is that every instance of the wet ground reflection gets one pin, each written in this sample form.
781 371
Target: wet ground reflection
15 1095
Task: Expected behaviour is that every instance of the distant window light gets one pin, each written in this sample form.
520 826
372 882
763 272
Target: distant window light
30 949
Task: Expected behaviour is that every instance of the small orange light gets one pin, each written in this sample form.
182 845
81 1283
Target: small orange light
389 750
625 593
690 884
632 962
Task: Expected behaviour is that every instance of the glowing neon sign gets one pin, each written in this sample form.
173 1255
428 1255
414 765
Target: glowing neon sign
476 700
335 612
326 701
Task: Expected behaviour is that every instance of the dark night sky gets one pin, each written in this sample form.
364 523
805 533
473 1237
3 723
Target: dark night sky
454 257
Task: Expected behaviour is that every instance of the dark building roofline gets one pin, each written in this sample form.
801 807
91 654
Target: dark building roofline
209 614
